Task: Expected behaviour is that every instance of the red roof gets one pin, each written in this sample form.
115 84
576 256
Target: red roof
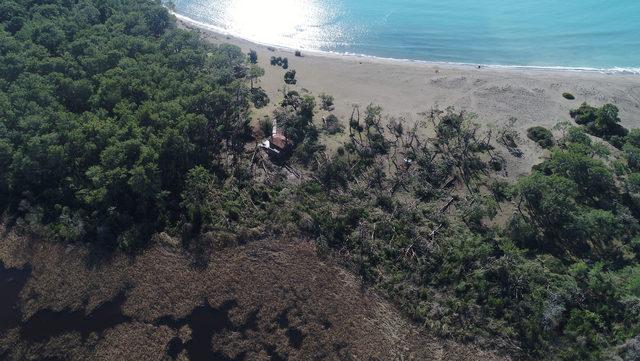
280 141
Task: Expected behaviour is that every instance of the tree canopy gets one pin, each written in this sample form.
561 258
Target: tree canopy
106 107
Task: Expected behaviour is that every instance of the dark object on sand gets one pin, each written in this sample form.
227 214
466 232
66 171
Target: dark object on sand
298 53
568 96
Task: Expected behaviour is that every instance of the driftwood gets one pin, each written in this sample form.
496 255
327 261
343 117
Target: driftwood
448 182
410 252
446 206
441 225
253 157
292 170
436 230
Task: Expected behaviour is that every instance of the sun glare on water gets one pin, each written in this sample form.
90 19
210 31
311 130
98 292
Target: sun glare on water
293 23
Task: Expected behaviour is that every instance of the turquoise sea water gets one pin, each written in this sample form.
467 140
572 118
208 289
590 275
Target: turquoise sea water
600 34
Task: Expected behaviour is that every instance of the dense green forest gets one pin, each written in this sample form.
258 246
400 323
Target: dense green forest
105 109
116 126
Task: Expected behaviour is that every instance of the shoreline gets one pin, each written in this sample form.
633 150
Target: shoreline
404 89
614 71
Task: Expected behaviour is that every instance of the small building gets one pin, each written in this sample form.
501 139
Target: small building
277 144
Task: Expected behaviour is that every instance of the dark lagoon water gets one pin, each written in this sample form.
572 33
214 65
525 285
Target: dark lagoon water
204 322
597 34
12 281
48 323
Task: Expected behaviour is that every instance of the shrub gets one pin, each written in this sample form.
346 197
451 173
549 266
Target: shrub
601 122
496 165
290 77
259 98
280 61
326 102
509 137
253 57
291 99
254 74
568 96
332 125
585 114
542 136
266 127
501 190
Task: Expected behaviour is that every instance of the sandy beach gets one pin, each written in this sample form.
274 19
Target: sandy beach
406 88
